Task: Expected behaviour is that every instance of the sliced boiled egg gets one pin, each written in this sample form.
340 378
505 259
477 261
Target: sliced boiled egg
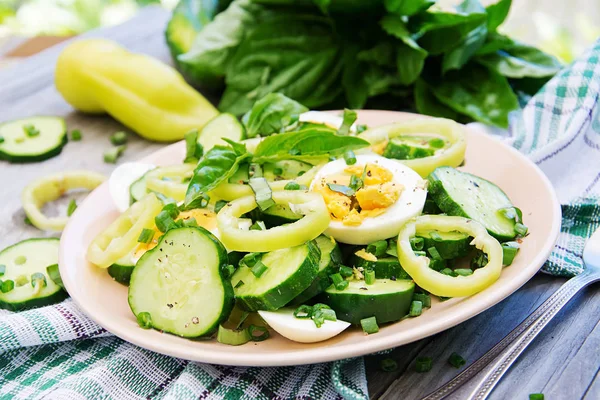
328 119
121 179
391 194
301 330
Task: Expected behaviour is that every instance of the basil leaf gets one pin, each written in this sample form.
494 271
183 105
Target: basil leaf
353 80
381 54
217 166
520 61
495 42
239 148
343 189
477 92
305 145
272 114
357 183
497 13
323 5
298 56
462 53
348 119
407 7
426 103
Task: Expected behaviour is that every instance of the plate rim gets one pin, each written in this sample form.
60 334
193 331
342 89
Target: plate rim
338 352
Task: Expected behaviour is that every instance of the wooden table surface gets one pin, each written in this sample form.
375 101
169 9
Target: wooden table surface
562 363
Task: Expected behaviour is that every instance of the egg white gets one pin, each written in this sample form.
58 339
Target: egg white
121 179
384 226
301 330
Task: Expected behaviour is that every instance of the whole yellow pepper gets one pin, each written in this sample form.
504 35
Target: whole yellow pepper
99 76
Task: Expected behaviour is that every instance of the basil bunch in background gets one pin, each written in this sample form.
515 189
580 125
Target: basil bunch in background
385 54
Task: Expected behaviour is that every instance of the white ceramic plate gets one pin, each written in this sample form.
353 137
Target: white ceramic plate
105 301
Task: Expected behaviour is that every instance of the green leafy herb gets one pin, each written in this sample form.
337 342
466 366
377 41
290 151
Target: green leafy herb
343 189
193 149
521 61
348 119
272 114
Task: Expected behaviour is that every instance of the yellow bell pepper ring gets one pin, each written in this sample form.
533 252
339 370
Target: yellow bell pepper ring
174 186
314 222
99 76
120 238
50 188
444 285
454 133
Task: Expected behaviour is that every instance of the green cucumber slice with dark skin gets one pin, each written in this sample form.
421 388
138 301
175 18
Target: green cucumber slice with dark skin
279 214
384 267
386 300
331 258
21 261
137 190
121 270
181 283
449 244
19 147
462 194
289 272
222 126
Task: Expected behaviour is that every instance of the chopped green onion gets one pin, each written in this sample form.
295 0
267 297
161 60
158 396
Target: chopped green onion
146 236
350 157
416 308
219 205
291 186
71 207
7 286
355 183
377 248
388 365
237 285
172 209
508 212
190 222
76 135
348 119
448 271
369 277
423 364
480 260
360 128
27 221
111 155
20 260
420 253
191 146
54 274
369 325
243 317
30 130
264 333
346 272
424 298
392 248
320 315
258 226
437 265
255 171
164 221
38 279
417 243
303 312
339 282
200 202
343 189
233 337
536 396
258 269
250 259
509 252
2 269
262 193
21 280
118 138
434 253
229 270
144 320
463 271
521 229
164 199
436 236
437 143
456 360
277 171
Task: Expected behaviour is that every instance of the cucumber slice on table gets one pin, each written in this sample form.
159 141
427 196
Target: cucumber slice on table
25 279
449 244
331 258
180 285
384 267
222 126
32 139
289 272
465 195
386 300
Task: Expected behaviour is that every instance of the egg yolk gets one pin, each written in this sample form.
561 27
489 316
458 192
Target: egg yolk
378 193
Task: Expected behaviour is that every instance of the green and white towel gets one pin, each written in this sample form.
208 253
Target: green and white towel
57 352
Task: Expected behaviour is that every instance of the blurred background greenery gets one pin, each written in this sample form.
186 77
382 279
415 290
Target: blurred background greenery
562 28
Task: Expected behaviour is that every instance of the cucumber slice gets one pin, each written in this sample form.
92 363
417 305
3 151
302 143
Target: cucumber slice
21 261
384 267
181 283
279 214
285 170
331 258
409 148
386 300
138 189
121 270
462 194
289 272
222 126
449 244
17 146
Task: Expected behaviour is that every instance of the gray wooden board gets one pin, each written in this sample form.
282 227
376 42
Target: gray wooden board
563 362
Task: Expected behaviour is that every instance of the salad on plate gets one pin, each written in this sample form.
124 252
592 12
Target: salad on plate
304 223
